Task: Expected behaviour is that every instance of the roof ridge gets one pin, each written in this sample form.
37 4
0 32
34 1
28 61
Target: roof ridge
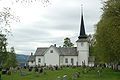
42 47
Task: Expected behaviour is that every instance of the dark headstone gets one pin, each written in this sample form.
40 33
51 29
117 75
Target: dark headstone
36 69
7 69
25 67
77 74
41 70
0 68
30 69
0 77
56 67
8 72
4 72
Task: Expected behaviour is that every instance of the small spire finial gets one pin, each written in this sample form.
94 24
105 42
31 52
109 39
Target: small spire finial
81 8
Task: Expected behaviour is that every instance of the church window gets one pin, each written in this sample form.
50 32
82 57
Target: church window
72 60
66 60
39 60
51 51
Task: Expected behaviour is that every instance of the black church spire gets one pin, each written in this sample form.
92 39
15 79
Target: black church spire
82 28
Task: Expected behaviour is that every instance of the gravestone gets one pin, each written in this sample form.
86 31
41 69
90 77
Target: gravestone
14 71
77 74
44 72
4 72
74 77
36 74
98 73
30 69
23 73
36 70
58 78
0 68
8 73
41 70
65 77
0 77
119 67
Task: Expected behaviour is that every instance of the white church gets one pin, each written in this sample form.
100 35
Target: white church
62 56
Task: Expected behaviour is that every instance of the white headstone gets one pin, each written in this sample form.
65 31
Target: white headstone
65 77
58 78
118 67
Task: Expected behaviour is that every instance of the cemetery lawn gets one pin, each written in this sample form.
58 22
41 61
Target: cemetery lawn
106 74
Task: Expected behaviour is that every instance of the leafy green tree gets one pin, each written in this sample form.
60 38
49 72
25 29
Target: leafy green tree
67 42
3 50
11 60
108 33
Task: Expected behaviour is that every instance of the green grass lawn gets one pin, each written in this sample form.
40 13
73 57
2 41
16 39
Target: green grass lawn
106 74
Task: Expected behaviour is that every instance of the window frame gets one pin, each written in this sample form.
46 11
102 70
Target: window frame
51 51
66 60
39 60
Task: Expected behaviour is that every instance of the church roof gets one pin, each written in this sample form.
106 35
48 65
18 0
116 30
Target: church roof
31 58
63 51
68 51
40 51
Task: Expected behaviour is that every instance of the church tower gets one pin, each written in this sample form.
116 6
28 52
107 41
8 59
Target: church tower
82 44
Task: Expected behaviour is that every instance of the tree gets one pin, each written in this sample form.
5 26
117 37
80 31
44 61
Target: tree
67 42
108 33
3 50
92 42
11 60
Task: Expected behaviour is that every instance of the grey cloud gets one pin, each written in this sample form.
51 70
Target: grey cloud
65 16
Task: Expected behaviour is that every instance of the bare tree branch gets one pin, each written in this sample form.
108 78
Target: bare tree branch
6 18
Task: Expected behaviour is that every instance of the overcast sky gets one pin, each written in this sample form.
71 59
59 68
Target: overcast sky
41 26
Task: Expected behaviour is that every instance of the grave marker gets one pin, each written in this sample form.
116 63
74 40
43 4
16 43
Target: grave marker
36 74
0 77
98 72
58 78
119 67
65 77
23 73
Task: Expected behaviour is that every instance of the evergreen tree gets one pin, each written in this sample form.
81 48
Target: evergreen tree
67 42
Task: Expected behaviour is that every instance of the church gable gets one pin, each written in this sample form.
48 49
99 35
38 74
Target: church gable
51 56
52 49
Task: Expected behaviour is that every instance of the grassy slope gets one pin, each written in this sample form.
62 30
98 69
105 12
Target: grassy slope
107 74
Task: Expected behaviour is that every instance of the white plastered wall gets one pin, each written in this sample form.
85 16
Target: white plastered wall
51 58
83 49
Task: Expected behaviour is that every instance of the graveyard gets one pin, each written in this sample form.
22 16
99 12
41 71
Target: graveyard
66 73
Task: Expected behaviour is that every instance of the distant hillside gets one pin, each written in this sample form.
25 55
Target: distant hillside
21 58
